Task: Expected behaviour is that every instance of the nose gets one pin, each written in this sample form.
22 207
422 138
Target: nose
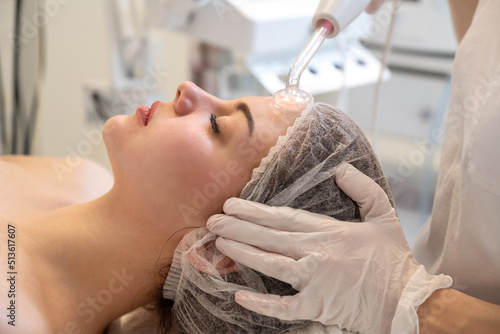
190 97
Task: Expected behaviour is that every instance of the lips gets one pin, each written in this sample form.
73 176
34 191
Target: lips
152 110
145 113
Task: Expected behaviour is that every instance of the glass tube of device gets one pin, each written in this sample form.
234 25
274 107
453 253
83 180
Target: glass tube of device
292 95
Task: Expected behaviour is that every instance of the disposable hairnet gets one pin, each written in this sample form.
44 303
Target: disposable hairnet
298 172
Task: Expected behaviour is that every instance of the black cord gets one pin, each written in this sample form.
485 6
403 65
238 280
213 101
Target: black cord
16 113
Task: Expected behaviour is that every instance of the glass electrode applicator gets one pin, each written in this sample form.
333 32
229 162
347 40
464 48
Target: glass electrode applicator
331 17
292 95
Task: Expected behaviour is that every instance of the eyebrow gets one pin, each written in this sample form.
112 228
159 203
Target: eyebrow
243 107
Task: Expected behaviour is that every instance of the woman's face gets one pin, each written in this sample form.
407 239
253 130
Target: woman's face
194 152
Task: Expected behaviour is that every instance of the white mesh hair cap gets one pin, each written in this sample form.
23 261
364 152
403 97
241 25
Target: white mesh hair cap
298 172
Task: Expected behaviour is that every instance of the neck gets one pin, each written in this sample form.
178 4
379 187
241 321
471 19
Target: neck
102 259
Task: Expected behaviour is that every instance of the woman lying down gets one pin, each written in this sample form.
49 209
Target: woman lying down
143 242
298 171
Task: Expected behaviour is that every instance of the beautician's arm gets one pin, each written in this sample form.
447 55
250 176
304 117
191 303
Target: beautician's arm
451 311
448 310
462 12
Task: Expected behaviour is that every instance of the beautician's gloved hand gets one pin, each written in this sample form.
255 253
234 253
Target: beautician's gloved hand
350 274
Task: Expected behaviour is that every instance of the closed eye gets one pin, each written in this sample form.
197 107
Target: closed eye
215 125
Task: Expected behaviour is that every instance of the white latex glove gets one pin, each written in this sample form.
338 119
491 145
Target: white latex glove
349 274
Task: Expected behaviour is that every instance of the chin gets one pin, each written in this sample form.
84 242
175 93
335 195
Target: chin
115 134
115 123
115 129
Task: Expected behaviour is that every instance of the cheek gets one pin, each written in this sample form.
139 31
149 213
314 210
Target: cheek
253 151
197 167
217 185
217 176
208 180
185 156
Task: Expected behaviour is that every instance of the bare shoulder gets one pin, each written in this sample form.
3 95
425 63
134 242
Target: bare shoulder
84 174
58 169
53 181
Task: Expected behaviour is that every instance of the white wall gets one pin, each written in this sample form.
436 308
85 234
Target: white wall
76 53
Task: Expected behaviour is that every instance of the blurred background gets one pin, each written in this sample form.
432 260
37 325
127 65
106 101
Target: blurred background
68 65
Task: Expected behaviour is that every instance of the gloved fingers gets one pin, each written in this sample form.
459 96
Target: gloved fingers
264 238
373 6
274 265
371 198
277 218
281 307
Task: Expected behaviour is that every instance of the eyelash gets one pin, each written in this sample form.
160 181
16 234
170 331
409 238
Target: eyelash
215 126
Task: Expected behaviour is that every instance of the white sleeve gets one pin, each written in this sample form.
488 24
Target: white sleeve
420 287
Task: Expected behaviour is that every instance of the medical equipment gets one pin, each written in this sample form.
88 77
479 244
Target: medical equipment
266 36
331 17
258 42
292 94
20 108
